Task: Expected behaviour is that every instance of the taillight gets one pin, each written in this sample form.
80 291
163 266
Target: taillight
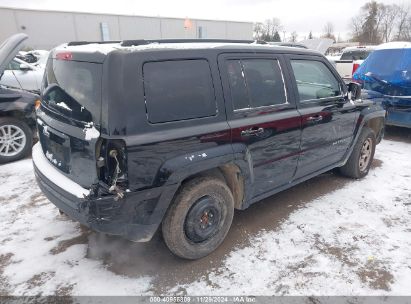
37 104
355 67
64 56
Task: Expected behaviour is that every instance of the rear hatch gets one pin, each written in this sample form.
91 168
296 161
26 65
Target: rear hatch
69 118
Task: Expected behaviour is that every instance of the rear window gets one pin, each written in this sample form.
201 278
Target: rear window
73 89
355 55
178 90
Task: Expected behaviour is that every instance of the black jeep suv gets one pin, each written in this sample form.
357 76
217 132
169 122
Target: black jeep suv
138 134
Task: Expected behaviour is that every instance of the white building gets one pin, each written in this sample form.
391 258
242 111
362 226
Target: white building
47 29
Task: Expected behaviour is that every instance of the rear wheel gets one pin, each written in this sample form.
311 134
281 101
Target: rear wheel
362 155
15 139
199 218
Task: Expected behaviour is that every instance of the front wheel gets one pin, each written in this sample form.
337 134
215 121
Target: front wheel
199 218
362 155
15 139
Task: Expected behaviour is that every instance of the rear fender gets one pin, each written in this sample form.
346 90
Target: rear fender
178 169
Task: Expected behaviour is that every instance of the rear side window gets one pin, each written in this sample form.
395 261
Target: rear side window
178 90
314 80
256 83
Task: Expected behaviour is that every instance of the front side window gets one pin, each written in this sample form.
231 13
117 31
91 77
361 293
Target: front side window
256 83
314 80
178 90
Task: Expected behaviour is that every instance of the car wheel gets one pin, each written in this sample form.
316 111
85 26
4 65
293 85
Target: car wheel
15 139
362 155
199 218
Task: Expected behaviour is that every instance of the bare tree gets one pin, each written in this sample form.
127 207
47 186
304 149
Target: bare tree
269 30
356 27
378 23
403 24
388 21
293 37
329 31
258 30
270 27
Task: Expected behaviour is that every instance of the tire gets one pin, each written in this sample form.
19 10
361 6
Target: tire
199 218
361 157
20 147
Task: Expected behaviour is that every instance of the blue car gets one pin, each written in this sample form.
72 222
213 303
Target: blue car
386 77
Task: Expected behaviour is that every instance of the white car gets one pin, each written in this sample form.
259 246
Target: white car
22 75
351 59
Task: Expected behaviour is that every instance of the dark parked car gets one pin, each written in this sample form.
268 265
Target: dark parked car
17 116
138 134
386 77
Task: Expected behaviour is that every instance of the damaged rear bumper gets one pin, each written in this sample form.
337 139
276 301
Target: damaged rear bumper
136 217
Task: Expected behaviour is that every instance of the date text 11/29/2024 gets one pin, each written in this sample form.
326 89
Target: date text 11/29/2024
203 299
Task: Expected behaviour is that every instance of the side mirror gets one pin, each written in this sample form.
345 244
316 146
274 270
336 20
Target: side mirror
354 89
24 67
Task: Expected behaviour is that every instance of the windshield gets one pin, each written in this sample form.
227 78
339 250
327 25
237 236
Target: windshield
387 71
73 89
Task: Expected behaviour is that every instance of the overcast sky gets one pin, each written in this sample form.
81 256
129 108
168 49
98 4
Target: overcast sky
296 15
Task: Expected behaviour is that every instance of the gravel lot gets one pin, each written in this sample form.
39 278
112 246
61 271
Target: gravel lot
327 236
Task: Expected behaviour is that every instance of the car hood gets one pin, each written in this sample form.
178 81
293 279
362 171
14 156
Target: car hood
319 44
9 49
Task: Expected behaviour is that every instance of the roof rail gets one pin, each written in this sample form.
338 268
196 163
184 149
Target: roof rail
74 43
149 41
144 42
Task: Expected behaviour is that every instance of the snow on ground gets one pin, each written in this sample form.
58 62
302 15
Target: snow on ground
352 241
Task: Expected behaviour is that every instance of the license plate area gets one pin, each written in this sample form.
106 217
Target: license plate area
56 147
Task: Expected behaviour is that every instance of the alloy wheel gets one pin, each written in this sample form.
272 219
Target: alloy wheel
12 140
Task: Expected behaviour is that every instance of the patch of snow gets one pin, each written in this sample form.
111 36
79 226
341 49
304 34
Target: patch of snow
31 229
64 105
90 131
332 246
50 157
394 45
58 178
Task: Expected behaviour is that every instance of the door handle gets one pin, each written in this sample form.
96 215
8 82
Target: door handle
252 131
316 118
